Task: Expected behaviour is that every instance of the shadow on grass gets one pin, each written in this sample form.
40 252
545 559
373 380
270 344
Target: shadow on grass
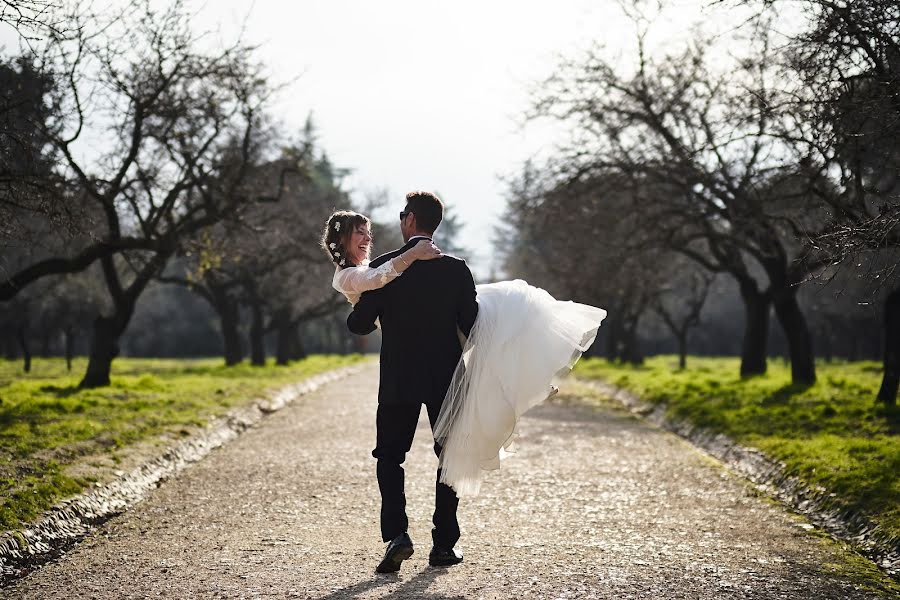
785 394
891 415
748 377
60 391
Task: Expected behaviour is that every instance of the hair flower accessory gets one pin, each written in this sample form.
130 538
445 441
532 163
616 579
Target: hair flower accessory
337 254
332 245
342 262
337 225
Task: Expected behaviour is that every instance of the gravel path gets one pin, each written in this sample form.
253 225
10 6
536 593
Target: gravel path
594 505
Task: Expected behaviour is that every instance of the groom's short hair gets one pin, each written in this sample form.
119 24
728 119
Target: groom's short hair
428 208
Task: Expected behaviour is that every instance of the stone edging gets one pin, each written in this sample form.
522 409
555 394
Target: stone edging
69 521
770 477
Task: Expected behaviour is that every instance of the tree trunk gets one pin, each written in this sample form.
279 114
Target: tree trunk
108 330
888 392
283 328
289 346
229 319
631 351
104 348
756 331
229 312
257 333
298 350
69 333
793 323
613 337
682 350
22 337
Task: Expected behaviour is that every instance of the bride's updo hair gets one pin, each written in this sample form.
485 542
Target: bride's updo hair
337 232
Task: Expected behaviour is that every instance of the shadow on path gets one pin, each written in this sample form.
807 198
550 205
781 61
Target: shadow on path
415 587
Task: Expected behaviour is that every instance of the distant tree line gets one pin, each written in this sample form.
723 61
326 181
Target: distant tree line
732 178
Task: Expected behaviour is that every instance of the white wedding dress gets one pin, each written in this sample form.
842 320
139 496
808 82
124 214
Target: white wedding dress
522 339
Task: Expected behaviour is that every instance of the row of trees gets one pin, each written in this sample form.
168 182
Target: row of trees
135 152
772 163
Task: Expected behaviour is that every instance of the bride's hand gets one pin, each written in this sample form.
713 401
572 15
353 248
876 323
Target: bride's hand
425 250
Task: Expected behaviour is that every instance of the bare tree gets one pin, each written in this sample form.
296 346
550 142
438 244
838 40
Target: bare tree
846 62
578 240
697 147
268 260
15 323
33 19
291 286
679 307
184 125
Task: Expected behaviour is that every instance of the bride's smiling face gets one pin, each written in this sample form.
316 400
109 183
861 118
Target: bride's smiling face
360 244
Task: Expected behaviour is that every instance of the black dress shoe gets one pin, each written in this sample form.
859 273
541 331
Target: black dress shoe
399 549
441 557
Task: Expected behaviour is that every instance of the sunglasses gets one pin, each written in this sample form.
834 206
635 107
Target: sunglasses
403 214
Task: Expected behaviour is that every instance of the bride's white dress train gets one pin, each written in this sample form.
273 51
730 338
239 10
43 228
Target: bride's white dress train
521 340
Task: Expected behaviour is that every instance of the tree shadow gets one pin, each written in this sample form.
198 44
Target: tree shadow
60 391
415 587
891 415
784 394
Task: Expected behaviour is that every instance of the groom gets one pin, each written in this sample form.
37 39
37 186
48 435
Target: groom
419 314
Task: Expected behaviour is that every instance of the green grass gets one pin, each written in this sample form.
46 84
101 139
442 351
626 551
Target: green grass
47 423
831 434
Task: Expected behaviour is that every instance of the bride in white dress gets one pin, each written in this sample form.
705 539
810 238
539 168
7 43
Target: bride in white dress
522 339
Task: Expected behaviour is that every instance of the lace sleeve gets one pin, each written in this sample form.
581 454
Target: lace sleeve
353 281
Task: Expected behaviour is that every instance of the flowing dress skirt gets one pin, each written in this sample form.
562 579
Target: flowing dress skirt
522 339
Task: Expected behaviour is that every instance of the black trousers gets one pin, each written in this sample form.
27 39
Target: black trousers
396 427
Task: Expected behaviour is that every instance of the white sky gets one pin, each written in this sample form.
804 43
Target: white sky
419 94
427 95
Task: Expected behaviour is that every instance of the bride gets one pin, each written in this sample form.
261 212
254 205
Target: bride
522 339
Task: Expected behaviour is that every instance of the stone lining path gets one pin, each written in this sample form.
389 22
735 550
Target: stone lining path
594 505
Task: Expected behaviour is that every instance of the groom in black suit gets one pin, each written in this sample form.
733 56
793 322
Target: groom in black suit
419 314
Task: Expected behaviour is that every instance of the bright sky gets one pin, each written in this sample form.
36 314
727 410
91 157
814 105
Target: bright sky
414 94
421 95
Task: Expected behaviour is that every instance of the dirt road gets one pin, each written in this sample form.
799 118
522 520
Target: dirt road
593 505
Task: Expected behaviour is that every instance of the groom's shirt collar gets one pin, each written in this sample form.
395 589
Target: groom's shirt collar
413 240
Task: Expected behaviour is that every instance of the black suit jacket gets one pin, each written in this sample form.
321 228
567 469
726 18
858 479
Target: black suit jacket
419 313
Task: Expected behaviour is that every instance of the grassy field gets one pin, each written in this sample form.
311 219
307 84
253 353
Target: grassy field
47 424
832 434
